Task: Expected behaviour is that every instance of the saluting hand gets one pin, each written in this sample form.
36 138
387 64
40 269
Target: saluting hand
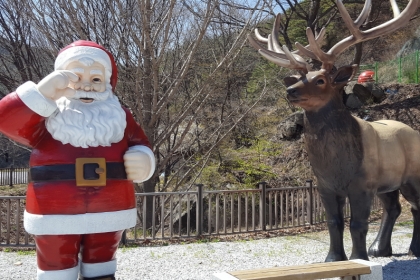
58 84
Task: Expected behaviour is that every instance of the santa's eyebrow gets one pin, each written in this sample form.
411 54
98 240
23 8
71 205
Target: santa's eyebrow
96 71
78 70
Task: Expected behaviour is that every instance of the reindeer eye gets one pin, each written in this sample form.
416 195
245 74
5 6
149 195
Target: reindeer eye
320 82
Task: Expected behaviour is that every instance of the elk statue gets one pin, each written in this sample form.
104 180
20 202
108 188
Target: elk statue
351 157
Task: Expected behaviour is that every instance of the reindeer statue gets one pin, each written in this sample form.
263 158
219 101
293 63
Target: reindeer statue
349 156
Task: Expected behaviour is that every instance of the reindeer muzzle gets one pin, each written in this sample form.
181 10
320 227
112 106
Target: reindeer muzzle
292 94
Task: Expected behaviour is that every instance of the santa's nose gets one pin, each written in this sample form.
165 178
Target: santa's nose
87 87
83 86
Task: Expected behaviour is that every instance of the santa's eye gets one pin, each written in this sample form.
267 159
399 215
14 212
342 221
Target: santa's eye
320 82
96 80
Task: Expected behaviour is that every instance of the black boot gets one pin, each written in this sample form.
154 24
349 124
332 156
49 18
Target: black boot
103 277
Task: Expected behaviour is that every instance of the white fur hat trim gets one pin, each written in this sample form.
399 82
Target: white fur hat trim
77 52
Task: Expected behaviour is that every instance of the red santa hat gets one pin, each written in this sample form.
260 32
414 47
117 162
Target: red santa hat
89 49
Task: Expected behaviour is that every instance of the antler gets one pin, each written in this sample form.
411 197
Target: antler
283 57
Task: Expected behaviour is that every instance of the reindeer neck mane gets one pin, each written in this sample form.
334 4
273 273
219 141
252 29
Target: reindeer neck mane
334 143
332 117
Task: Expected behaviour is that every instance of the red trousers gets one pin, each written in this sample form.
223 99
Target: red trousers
58 252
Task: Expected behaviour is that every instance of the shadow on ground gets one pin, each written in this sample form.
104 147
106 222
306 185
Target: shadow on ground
402 269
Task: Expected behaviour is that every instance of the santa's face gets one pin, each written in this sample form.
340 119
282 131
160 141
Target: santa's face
91 79
93 116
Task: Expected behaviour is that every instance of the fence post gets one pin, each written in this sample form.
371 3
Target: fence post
417 66
262 187
399 69
124 237
200 212
11 177
311 205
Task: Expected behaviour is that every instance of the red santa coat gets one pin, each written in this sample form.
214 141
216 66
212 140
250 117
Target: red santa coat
60 207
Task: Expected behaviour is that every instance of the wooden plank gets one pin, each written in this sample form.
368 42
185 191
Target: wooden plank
305 272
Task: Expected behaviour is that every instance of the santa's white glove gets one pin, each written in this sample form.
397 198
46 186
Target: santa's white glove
139 162
58 84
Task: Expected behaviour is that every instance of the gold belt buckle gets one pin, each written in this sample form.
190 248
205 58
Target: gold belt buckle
101 171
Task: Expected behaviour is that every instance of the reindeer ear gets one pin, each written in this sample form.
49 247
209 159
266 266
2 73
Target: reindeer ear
344 74
291 80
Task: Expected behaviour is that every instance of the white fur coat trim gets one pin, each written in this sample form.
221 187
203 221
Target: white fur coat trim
32 98
81 223
64 274
92 270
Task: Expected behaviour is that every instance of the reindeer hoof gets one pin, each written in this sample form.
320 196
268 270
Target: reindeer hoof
334 257
361 256
414 252
375 251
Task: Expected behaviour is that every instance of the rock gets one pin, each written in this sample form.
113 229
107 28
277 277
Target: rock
363 93
409 46
377 93
366 93
291 127
349 87
352 101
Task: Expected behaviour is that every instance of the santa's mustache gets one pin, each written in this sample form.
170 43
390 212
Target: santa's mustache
97 96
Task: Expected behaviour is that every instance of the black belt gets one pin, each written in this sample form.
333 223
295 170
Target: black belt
89 173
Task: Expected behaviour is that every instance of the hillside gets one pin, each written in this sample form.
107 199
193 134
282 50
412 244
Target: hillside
402 104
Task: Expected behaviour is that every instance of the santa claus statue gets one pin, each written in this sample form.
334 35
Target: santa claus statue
86 152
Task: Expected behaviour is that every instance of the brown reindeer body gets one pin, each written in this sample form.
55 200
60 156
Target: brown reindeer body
391 155
350 157
357 159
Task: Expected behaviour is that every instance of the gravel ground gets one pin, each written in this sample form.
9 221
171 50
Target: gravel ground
202 260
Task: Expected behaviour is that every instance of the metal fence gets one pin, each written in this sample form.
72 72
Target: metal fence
198 213
403 69
13 176
12 232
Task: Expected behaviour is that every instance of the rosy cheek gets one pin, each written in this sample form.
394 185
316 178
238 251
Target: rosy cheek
99 87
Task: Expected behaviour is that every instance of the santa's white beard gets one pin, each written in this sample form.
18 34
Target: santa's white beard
80 124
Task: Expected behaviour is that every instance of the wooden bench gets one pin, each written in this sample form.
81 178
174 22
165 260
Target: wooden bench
348 270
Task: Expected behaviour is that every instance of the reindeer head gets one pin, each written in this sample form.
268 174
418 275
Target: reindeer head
312 90
315 89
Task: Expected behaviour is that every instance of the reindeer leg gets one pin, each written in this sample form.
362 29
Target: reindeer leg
333 205
381 247
360 202
411 193
415 241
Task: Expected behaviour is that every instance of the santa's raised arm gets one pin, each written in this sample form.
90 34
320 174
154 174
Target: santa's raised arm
86 152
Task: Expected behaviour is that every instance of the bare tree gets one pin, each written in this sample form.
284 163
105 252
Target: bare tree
159 46
171 57
20 59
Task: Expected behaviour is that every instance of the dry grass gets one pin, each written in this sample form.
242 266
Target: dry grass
15 190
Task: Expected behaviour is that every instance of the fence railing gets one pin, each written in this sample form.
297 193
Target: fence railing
198 213
13 176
